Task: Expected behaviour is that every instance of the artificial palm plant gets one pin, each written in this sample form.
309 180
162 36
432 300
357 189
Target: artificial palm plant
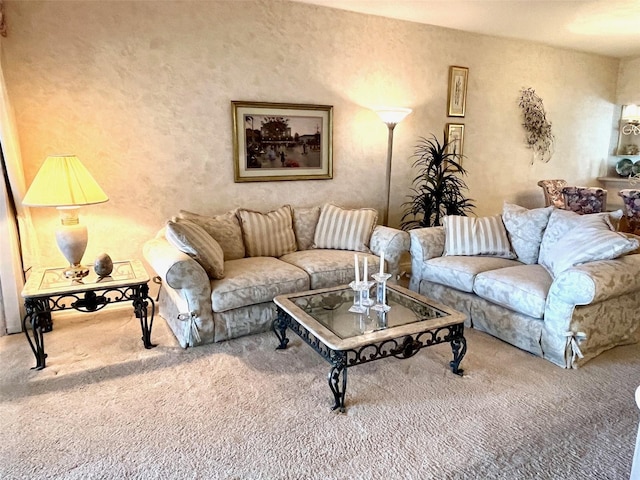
438 187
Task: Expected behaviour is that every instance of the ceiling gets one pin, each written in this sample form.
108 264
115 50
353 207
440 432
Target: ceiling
605 27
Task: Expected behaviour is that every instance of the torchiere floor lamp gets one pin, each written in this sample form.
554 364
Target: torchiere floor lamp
390 116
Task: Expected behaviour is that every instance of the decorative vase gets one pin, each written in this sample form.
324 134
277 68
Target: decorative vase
103 265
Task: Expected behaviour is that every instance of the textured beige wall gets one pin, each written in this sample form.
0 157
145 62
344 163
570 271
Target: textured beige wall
141 92
628 85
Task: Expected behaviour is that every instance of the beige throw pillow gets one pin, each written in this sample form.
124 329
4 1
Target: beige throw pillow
345 229
305 221
224 228
582 245
525 228
268 234
193 240
561 222
476 236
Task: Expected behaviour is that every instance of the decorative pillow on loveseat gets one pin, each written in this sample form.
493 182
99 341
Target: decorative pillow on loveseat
345 229
305 221
525 228
561 222
193 240
476 236
224 228
582 245
268 234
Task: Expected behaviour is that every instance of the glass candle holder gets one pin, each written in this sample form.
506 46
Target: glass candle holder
365 294
358 289
381 292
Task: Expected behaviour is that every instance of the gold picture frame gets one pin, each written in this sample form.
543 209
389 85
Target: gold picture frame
455 138
457 95
282 141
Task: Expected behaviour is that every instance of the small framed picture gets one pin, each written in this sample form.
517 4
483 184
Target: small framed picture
457 98
282 141
455 138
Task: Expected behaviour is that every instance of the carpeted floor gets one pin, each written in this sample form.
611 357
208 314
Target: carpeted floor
106 408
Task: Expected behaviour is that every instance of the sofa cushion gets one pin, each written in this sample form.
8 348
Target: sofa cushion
268 234
582 245
305 221
329 268
345 229
460 272
225 228
563 221
193 240
523 288
253 280
525 229
476 236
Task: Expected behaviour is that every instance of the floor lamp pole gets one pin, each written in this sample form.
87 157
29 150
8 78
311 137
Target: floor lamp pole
391 117
385 217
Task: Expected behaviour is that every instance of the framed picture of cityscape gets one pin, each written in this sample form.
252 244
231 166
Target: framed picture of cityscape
282 141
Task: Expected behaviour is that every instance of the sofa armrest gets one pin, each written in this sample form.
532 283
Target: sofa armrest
187 277
600 285
426 243
393 243
598 281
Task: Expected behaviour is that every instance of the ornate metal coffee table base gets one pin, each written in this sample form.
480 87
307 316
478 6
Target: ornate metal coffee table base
402 347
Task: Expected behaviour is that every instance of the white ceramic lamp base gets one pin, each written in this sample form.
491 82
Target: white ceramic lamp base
72 240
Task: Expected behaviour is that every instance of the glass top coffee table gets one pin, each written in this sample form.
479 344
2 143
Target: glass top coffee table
322 319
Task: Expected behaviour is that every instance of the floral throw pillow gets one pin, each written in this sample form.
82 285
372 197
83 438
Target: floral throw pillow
224 228
525 228
305 221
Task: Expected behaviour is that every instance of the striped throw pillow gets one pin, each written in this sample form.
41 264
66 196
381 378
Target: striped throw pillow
345 229
224 228
268 234
476 236
582 245
193 240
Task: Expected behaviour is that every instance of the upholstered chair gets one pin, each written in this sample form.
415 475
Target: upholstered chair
584 200
631 200
552 190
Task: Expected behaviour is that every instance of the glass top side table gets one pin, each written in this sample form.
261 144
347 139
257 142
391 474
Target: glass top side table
48 290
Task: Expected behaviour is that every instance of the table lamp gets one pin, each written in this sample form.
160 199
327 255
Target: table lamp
63 182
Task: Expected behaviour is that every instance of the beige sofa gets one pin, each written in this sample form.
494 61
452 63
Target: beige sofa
562 286
257 256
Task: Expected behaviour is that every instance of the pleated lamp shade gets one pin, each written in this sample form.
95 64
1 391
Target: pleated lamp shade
63 181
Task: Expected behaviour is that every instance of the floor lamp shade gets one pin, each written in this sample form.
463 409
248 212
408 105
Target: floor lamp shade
63 182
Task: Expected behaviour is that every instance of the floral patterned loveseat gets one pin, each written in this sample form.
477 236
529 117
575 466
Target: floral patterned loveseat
220 273
557 284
